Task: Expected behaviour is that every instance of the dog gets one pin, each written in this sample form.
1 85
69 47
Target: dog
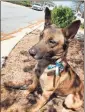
53 46
52 71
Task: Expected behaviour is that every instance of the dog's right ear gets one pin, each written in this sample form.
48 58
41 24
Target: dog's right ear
71 30
47 17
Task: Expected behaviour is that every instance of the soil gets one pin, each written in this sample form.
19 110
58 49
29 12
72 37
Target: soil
19 68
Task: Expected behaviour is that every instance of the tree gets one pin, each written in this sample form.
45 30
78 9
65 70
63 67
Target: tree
43 1
78 6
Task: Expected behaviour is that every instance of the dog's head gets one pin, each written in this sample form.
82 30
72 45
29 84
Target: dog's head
53 41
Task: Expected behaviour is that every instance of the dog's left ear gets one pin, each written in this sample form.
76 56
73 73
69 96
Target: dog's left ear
70 31
47 17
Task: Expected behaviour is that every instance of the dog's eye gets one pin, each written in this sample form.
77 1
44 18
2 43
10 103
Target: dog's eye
52 41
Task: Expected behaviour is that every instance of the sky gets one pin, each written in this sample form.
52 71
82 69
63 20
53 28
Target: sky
67 3
63 3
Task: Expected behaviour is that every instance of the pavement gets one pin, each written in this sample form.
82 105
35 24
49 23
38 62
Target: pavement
8 44
14 17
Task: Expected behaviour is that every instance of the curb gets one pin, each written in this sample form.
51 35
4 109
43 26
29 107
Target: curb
8 45
11 35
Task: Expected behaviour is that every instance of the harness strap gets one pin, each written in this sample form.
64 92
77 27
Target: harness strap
54 80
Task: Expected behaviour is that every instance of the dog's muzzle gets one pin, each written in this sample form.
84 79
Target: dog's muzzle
37 54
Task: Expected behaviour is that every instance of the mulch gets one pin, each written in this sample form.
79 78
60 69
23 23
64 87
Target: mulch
19 68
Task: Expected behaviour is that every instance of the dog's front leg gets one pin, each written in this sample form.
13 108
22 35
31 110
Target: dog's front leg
41 101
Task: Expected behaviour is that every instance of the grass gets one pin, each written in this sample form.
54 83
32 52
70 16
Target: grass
26 3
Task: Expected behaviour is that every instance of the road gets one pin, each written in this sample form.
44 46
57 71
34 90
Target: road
14 17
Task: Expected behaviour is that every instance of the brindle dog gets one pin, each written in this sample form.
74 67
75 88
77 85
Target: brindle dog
53 45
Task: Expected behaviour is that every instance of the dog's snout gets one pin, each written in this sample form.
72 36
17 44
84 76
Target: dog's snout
32 52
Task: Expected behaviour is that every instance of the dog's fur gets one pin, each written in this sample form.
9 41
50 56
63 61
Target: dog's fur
53 45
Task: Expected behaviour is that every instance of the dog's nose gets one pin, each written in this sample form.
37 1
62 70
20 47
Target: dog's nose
32 52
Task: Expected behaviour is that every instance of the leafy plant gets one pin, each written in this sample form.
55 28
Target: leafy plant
26 3
62 16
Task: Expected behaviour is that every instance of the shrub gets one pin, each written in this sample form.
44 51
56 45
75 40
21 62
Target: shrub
26 3
62 16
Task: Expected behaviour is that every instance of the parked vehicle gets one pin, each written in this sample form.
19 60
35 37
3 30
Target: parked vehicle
37 6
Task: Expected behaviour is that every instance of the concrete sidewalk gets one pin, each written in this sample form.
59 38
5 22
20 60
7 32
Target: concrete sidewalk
9 44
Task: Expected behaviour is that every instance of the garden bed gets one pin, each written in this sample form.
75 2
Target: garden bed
19 67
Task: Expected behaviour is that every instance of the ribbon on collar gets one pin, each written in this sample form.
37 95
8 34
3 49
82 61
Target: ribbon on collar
59 67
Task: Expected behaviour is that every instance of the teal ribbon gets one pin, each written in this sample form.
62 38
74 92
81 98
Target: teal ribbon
59 65
51 66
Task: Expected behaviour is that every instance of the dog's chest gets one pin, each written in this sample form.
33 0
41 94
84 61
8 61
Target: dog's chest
47 82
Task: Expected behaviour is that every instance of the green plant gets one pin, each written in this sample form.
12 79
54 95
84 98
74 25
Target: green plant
26 3
62 16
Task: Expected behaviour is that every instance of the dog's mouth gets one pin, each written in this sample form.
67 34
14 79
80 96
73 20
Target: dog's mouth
37 57
49 56
46 56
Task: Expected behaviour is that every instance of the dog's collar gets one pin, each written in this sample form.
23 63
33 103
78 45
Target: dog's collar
59 67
